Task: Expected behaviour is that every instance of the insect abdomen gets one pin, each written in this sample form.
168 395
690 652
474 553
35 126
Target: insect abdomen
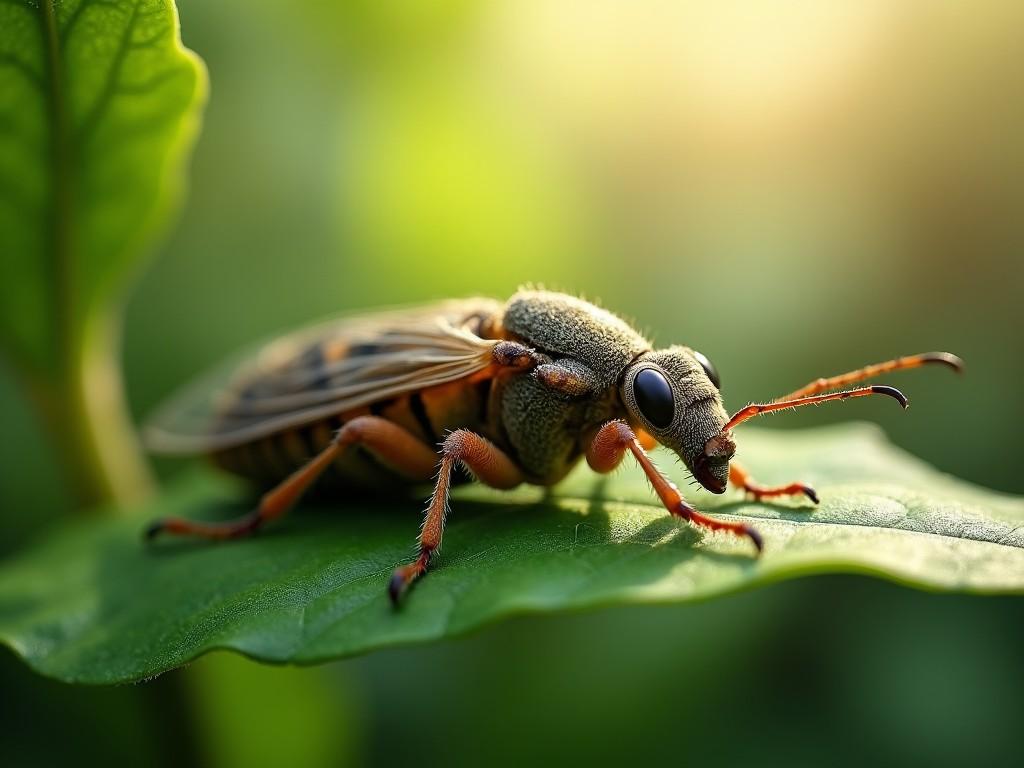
428 415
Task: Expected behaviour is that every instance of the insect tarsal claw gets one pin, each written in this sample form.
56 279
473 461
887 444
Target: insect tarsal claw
153 530
755 537
395 588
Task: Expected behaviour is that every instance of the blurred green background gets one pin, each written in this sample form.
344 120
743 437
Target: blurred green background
792 188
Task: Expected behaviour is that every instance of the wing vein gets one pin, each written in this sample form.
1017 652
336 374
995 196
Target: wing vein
292 382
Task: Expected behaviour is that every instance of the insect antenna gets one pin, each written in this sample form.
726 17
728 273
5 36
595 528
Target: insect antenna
818 386
757 409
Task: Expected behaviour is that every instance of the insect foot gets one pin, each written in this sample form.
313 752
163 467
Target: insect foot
684 510
405 575
739 477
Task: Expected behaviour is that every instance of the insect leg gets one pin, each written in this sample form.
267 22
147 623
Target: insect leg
397 447
512 354
568 377
870 371
487 462
739 477
605 453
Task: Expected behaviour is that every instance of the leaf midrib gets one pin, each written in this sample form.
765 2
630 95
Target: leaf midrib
61 185
718 512
67 329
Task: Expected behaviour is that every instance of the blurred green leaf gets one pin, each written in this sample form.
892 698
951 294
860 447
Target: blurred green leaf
98 104
319 727
94 604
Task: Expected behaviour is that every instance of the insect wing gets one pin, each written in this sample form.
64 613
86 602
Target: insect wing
323 371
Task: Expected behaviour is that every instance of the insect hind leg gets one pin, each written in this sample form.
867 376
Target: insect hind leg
395 445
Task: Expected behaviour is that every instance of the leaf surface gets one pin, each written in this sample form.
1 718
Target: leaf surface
99 103
92 604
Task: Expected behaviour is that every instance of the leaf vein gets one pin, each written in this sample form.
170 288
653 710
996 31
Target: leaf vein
110 84
72 21
13 62
810 521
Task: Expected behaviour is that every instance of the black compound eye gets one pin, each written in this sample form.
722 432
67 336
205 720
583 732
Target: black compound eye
709 369
654 397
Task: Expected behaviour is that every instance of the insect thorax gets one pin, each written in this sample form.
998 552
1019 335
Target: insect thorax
545 430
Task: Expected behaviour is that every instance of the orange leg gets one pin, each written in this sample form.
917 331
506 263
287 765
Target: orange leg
605 453
870 371
490 466
739 477
397 447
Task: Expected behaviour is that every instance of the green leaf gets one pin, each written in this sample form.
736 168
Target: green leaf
99 104
93 604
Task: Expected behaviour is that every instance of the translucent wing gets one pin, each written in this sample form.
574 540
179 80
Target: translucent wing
322 371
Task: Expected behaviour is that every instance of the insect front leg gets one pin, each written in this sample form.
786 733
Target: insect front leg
568 377
396 446
488 464
512 354
739 477
605 453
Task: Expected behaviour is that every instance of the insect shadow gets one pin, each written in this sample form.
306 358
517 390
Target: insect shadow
589 540
666 532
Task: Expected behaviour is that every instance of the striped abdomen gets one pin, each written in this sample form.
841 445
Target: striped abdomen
428 414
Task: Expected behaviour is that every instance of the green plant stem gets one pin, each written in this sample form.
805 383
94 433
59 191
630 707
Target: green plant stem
85 413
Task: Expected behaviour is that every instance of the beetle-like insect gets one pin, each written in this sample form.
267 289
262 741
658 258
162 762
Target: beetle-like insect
515 392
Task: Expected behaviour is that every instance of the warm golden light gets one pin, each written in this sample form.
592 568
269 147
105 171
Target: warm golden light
732 66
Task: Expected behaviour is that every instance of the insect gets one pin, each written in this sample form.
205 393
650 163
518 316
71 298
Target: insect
515 392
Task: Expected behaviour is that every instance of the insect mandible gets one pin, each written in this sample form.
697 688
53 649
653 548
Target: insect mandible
514 393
